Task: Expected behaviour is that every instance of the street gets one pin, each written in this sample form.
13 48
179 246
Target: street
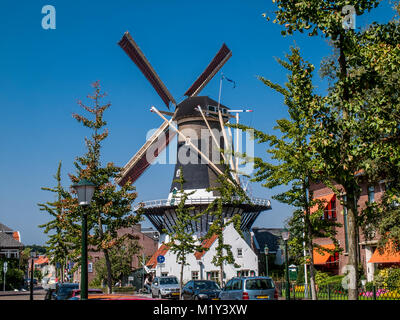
38 294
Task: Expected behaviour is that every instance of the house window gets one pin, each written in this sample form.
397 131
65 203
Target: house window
330 210
243 273
195 275
239 252
371 194
213 275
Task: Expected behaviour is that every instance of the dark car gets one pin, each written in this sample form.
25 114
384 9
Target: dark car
249 288
201 290
64 291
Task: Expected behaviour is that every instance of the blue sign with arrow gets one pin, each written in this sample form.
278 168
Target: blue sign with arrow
160 259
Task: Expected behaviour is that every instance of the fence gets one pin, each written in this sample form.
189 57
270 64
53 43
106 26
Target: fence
337 292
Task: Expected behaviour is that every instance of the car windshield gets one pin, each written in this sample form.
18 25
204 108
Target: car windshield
168 281
259 284
64 291
206 285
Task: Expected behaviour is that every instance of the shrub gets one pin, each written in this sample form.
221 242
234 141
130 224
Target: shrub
124 289
321 278
388 277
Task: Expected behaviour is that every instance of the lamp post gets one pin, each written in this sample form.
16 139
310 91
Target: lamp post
285 237
266 250
33 256
85 190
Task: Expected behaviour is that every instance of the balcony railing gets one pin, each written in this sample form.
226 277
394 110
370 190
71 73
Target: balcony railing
190 201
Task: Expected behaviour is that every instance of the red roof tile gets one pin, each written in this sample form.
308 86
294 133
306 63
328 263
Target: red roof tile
16 236
207 243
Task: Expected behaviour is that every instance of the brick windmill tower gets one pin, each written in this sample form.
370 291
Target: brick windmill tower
198 154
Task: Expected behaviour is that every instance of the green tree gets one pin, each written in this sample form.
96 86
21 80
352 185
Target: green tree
348 133
294 161
121 257
110 209
63 227
182 241
229 194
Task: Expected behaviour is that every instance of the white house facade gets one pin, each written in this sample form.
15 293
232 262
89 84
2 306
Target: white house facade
200 264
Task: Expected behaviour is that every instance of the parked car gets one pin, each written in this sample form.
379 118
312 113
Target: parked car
249 288
64 291
165 287
113 297
201 290
76 293
28 281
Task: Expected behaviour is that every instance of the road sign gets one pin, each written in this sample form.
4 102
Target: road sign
160 259
5 267
292 272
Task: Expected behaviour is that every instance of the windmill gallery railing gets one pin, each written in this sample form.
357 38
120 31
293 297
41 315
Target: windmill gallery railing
190 201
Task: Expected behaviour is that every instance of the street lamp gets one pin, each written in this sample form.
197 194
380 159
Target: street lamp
266 250
33 256
85 190
285 237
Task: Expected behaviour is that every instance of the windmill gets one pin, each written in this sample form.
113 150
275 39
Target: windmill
193 116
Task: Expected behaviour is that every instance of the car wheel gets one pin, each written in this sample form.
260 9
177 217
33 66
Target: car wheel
196 298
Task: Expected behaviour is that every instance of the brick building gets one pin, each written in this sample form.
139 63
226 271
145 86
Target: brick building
148 241
367 254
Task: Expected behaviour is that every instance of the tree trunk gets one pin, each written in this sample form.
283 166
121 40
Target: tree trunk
308 235
181 281
312 271
108 262
109 271
352 265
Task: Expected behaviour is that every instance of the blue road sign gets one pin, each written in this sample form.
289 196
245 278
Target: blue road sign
160 259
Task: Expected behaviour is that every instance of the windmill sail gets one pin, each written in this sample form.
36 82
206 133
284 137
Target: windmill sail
216 63
146 154
133 51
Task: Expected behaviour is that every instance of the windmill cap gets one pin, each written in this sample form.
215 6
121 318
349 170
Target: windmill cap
189 107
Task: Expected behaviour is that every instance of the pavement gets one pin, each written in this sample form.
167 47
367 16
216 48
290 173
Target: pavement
38 294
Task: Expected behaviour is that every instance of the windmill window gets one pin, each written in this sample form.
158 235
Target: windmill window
211 108
239 252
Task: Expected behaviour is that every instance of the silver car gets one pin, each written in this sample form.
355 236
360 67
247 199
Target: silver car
249 288
165 287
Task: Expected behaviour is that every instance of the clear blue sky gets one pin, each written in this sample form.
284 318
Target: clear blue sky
44 72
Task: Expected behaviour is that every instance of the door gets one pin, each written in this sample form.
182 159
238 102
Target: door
187 291
225 292
236 293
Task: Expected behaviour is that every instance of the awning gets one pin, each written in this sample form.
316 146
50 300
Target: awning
388 256
322 258
326 199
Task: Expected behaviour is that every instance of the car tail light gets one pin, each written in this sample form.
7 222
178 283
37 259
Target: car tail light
276 295
245 296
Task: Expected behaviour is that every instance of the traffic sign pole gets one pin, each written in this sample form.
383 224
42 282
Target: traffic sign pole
4 271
